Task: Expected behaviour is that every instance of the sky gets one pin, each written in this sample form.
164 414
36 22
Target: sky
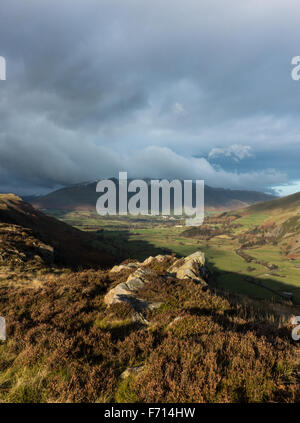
161 89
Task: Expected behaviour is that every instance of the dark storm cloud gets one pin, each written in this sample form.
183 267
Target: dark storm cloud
98 86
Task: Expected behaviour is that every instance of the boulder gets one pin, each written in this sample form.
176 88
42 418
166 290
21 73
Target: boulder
160 258
127 291
148 260
128 266
190 267
132 371
139 278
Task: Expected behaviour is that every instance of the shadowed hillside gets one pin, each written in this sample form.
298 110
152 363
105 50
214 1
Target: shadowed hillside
27 234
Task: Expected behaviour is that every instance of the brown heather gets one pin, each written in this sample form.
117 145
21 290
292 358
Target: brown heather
65 345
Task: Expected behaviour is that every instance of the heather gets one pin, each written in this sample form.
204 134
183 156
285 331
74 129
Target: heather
65 345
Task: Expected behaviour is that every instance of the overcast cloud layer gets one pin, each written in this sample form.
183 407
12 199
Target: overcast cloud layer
178 89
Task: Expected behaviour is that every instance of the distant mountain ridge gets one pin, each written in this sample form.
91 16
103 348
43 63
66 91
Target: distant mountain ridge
84 197
288 203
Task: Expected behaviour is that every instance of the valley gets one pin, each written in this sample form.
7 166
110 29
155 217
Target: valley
121 309
261 271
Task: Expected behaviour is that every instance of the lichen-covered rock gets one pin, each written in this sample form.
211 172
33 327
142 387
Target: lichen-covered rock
139 278
127 291
128 266
148 261
190 267
160 258
132 371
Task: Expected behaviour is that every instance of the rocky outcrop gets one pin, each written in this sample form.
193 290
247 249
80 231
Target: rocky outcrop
127 291
160 259
191 267
135 264
128 266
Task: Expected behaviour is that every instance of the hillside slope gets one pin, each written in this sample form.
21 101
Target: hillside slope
290 203
255 250
84 197
151 331
66 344
26 234
277 222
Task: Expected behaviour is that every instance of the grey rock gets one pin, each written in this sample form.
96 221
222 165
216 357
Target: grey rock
128 266
191 267
2 329
132 371
127 291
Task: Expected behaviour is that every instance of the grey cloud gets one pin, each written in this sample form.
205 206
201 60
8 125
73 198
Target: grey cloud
165 163
93 86
236 151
